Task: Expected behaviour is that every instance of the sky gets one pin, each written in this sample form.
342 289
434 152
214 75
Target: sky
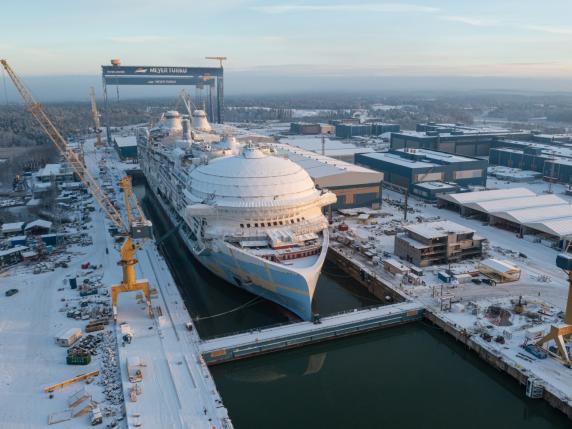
291 44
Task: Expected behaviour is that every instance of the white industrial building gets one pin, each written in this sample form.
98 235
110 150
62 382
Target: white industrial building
521 210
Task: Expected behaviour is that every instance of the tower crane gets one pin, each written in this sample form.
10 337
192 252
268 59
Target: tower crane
137 227
95 114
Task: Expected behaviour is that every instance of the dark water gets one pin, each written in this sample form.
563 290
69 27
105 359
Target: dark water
206 295
412 376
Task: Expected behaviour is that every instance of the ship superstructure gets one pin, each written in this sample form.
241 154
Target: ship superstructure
251 217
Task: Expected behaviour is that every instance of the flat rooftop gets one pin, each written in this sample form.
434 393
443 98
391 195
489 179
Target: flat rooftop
438 229
427 158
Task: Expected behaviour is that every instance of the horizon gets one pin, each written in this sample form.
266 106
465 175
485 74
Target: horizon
276 47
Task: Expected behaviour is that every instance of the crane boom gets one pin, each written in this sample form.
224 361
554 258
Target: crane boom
139 228
61 144
95 114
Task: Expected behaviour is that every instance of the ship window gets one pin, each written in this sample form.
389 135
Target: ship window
248 225
275 223
242 225
281 223
256 225
291 220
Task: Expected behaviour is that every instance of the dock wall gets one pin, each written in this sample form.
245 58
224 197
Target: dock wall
519 374
375 285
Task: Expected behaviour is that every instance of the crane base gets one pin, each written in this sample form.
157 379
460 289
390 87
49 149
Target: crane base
558 334
139 285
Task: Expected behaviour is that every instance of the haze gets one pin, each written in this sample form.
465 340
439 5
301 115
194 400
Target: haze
276 47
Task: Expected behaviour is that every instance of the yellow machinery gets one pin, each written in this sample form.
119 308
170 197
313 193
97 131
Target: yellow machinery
562 333
81 377
136 228
95 114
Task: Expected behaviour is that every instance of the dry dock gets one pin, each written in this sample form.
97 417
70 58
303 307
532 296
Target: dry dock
257 342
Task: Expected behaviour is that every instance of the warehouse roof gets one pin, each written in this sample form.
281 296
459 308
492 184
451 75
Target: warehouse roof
496 194
536 214
558 227
126 141
9 228
39 223
528 202
548 214
327 171
399 160
331 147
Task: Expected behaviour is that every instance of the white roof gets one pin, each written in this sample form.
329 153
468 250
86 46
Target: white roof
537 214
327 171
500 266
557 227
50 170
438 229
13 250
496 194
519 203
12 227
41 223
549 214
125 141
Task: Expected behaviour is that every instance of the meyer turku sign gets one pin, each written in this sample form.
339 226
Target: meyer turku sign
109 71
211 77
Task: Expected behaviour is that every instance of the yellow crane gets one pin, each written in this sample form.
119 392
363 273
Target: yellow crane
95 114
137 226
561 333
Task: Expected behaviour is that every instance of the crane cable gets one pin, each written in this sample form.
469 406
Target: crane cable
240 307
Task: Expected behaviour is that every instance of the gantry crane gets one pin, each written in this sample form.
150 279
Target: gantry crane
95 114
562 333
137 226
219 59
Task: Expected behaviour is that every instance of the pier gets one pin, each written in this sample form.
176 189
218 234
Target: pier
257 342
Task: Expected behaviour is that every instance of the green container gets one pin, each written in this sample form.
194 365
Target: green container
78 360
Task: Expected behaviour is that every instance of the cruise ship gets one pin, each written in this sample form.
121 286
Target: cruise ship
251 217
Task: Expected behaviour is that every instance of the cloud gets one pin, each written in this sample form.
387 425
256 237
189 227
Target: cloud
347 7
138 39
549 29
476 22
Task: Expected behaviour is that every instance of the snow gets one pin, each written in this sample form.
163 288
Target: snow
177 390
10 228
501 266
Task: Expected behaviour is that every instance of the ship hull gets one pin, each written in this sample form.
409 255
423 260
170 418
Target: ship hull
291 288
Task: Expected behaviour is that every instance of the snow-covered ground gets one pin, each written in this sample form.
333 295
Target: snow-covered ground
177 390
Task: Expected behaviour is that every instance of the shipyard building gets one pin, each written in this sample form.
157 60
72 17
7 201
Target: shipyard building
325 146
306 128
552 161
437 243
415 168
353 185
456 139
126 147
346 131
546 218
